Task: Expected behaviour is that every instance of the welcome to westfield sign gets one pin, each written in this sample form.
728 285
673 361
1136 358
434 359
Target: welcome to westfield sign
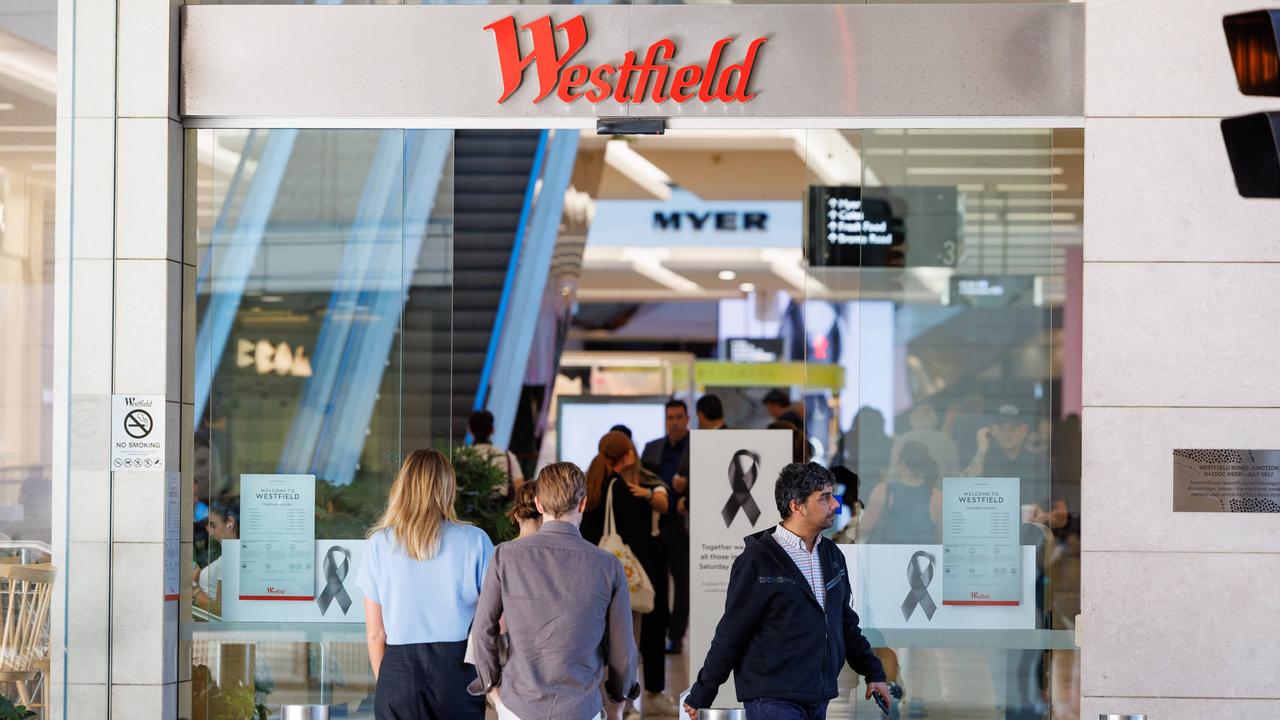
628 81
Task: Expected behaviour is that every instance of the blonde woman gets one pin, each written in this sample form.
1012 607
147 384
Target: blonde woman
421 579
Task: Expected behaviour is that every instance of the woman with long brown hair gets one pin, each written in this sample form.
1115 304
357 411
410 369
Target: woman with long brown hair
417 639
637 495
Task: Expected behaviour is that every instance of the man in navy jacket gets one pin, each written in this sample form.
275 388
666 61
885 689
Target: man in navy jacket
788 625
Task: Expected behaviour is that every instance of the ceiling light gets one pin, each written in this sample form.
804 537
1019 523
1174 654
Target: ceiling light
984 171
638 169
727 275
6 106
747 287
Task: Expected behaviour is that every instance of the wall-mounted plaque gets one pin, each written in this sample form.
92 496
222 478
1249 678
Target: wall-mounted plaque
1226 480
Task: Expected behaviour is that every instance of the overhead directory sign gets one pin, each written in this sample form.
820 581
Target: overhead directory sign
888 226
386 64
137 432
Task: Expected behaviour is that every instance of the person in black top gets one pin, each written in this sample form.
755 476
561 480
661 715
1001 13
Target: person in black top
1002 452
778 403
635 502
668 458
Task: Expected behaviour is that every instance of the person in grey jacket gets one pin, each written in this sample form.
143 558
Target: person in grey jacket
567 610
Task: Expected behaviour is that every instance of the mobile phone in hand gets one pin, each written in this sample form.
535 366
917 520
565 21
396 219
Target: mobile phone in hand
881 702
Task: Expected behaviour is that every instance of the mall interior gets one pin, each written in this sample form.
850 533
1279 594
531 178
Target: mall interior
311 292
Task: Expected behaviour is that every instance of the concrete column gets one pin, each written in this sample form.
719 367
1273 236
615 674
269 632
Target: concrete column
122 274
1182 288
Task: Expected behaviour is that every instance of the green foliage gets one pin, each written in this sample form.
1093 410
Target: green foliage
9 711
348 511
211 702
482 493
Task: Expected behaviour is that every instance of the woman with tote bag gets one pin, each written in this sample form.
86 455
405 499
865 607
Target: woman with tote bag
620 507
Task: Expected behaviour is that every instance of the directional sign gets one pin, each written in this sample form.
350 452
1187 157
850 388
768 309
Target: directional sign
137 432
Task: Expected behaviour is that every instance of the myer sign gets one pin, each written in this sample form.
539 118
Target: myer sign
688 221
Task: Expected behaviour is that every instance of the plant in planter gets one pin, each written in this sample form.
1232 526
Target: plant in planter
481 498
9 711
211 702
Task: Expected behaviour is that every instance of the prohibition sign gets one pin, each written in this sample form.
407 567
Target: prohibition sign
138 424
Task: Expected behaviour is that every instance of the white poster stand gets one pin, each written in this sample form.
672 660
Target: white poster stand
731 480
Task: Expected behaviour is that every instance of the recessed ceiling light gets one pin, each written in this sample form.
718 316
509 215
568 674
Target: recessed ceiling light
728 275
6 106
747 287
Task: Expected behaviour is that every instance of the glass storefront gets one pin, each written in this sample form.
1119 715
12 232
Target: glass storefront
348 291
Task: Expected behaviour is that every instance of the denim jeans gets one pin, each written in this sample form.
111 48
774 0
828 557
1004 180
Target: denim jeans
770 709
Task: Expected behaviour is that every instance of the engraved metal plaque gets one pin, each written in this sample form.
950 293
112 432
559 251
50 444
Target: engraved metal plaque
1226 481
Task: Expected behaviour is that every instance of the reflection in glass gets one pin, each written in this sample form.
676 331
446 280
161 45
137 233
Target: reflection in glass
942 274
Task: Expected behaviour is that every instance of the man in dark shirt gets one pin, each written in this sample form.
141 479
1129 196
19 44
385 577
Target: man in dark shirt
778 403
788 626
1002 453
668 458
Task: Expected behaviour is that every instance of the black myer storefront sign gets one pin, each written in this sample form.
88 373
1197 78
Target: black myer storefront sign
723 221
848 226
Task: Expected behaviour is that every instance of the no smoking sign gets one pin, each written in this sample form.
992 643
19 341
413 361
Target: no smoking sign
137 432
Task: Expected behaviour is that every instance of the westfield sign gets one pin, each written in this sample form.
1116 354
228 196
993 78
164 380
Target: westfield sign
629 81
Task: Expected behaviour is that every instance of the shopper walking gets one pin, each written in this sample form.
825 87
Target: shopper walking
788 626
668 458
417 639
480 425
907 508
614 472
567 608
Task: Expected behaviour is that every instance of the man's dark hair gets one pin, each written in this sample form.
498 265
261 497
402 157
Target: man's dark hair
622 429
481 425
677 404
778 396
797 482
710 407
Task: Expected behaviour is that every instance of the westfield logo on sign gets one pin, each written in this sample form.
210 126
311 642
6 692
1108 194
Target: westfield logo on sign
629 81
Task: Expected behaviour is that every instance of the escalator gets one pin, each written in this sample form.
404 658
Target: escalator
491 171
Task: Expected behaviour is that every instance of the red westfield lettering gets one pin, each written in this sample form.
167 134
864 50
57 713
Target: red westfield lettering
653 78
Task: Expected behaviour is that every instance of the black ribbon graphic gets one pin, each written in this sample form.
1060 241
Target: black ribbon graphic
742 481
919 581
334 574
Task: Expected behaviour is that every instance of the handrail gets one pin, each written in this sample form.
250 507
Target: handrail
513 264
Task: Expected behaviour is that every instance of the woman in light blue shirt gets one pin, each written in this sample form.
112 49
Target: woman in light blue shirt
421 579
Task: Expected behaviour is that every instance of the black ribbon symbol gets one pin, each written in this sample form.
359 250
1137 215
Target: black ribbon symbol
919 581
742 481
334 574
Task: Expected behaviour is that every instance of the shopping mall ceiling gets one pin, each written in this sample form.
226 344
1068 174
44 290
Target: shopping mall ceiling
1022 191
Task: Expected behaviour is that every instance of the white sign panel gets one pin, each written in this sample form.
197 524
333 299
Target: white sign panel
689 221
277 538
980 558
336 598
731 479
900 586
172 534
137 432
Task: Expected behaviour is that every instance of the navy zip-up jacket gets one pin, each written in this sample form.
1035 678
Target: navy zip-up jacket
776 638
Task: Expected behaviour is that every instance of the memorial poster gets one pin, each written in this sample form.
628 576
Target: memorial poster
337 599
981 556
731 479
277 537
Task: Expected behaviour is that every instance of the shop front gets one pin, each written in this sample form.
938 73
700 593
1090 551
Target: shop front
381 218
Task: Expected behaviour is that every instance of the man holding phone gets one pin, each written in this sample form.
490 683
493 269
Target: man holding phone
788 623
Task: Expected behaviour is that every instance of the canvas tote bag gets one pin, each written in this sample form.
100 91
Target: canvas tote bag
642 596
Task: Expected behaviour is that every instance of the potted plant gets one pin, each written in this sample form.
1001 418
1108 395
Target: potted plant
482 497
9 711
